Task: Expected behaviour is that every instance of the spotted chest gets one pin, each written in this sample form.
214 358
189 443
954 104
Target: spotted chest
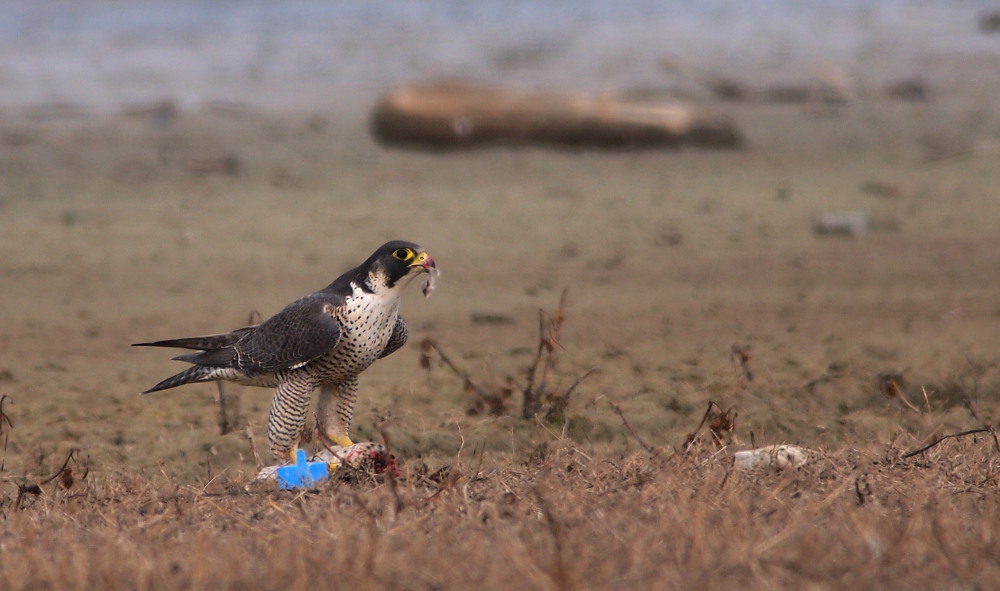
366 323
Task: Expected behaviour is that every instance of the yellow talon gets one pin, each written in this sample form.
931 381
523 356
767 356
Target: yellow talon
342 440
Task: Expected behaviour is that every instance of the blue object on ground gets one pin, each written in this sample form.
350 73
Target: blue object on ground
301 474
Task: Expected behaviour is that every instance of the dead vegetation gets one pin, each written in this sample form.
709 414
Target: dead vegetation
570 512
537 391
869 517
850 519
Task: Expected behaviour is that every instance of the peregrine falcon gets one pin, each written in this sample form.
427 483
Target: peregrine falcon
323 340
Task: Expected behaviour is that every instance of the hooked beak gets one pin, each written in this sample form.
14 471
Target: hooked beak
425 262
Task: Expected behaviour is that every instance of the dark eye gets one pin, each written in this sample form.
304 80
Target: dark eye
403 254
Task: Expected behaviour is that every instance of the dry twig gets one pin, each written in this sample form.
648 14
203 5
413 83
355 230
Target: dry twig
740 355
549 328
64 474
890 385
649 448
253 446
722 425
391 474
493 401
558 572
986 428
5 427
231 396
560 402
921 450
534 391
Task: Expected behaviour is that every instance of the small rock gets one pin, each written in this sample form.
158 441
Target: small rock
494 318
851 224
229 108
787 93
882 189
771 457
161 113
913 90
227 164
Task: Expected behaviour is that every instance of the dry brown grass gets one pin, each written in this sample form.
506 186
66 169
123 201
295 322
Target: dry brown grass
575 508
567 518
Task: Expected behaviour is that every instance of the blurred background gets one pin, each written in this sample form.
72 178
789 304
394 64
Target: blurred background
298 54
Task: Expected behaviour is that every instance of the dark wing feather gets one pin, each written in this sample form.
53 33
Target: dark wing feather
224 356
202 343
397 339
303 331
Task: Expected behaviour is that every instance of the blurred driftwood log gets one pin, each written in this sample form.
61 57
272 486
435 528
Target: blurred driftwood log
451 115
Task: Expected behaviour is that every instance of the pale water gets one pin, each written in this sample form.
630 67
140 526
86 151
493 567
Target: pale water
304 54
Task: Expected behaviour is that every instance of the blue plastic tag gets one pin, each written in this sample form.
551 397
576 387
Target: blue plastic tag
301 474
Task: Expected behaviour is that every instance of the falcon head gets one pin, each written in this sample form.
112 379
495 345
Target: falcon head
397 263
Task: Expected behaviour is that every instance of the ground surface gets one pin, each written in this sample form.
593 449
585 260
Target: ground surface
117 229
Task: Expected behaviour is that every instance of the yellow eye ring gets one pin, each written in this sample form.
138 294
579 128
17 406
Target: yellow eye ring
403 254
